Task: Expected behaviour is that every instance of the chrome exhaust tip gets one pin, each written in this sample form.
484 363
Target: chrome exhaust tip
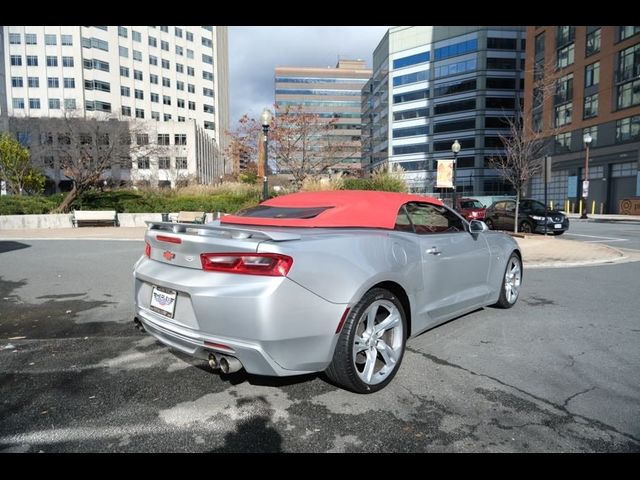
229 364
138 324
213 361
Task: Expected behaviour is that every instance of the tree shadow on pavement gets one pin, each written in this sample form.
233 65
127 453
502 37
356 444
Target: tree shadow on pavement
9 246
252 435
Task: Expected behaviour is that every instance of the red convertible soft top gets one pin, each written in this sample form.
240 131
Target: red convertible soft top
337 208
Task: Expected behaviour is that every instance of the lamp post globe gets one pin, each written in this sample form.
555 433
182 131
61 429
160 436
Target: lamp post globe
265 119
587 139
455 148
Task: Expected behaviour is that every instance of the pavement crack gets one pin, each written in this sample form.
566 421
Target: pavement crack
566 402
563 408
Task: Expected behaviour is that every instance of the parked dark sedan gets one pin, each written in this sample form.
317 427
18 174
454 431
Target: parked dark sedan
531 217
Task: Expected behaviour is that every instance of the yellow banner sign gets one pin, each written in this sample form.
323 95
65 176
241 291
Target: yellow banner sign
444 177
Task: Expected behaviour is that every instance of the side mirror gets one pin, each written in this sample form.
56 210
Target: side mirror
477 226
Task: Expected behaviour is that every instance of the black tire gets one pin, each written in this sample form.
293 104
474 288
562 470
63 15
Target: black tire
525 227
489 223
513 267
344 369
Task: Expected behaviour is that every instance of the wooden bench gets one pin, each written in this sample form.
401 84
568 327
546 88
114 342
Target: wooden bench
92 218
191 217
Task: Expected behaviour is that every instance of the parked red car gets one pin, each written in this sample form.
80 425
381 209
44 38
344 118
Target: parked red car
470 208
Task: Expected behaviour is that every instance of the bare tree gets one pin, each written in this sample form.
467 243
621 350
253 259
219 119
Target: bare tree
86 148
527 142
302 143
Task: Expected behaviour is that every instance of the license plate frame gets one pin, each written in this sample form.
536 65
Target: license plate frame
163 301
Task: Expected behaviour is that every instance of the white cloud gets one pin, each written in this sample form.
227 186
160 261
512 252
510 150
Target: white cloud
254 52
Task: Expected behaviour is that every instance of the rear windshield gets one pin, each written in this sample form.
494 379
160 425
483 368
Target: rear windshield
265 211
471 204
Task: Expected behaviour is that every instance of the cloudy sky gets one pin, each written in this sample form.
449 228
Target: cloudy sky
254 52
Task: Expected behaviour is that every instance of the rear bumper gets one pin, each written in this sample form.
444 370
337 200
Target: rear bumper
271 324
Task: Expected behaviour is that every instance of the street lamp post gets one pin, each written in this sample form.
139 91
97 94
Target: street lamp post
265 120
455 148
585 181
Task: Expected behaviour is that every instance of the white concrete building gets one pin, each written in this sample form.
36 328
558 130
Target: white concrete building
174 75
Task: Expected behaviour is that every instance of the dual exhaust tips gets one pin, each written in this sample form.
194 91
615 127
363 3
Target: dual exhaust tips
225 363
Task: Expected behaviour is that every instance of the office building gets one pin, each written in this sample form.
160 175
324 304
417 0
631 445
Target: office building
334 95
596 70
433 85
174 78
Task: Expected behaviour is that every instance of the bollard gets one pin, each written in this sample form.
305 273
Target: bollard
601 208
593 207
580 209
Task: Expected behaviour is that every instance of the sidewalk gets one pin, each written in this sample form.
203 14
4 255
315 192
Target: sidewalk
596 217
538 251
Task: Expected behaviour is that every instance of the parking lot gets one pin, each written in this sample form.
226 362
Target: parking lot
560 372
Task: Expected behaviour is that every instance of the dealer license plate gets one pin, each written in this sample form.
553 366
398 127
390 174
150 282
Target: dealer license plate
163 301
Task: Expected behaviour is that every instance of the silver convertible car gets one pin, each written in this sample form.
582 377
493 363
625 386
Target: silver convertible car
331 281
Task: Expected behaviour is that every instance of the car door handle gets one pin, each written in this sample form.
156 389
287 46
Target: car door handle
433 251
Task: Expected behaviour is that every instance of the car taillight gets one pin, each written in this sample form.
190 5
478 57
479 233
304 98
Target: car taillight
270 264
147 249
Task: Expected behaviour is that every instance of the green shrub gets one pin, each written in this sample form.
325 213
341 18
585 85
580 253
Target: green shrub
28 205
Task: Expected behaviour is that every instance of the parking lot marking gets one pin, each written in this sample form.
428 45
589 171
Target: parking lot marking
605 239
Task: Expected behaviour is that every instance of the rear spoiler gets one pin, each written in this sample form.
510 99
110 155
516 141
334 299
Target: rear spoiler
228 231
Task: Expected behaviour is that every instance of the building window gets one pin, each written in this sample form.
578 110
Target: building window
67 62
142 139
50 39
208 109
16 60
163 139
536 120
126 111
125 162
135 36
180 139
137 55
32 61
189 37
179 50
143 163
190 54
192 105
191 71
153 78
563 142
34 103
17 82
30 38
181 162
207 92
501 63
164 45
155 97
564 89
137 75
207 75
153 60
628 94
124 51
139 113
164 163
563 114
180 85
411 60
124 72
182 119
592 74
593 42
139 94
54 103
590 106
179 68
209 125
70 103
166 64
164 29
191 88
180 103
566 56
565 34
155 116
18 103
69 82
167 117
153 42
178 32
626 32
53 82
123 32
66 40
166 82
166 100
52 61
125 91
14 39
33 82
